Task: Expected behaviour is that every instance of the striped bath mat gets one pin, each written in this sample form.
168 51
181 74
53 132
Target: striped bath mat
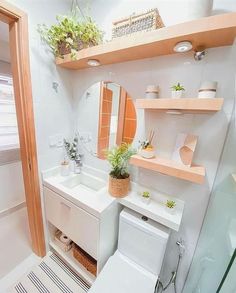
52 275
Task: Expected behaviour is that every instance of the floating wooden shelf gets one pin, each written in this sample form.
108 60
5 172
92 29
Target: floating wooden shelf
194 174
213 31
182 105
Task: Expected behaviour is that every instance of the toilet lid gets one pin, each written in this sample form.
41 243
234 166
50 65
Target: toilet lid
120 275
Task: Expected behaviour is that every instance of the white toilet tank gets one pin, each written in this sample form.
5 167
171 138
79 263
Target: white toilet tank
144 242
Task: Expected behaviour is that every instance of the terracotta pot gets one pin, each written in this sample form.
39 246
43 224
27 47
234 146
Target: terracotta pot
119 187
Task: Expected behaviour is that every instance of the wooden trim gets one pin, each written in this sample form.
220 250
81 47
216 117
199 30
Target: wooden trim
121 116
194 174
195 105
209 32
19 49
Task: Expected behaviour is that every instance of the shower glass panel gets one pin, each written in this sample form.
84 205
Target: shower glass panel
217 240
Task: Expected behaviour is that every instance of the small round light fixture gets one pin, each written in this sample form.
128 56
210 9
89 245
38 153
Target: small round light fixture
182 47
93 62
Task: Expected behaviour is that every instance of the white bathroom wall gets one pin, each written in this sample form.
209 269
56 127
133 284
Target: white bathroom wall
52 109
134 76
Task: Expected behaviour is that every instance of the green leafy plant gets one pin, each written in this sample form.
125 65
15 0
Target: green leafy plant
70 34
118 157
146 194
72 148
177 87
170 204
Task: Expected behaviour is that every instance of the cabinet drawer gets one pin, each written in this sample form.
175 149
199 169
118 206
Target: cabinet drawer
77 224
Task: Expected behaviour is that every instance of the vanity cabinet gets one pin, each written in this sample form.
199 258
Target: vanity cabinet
97 236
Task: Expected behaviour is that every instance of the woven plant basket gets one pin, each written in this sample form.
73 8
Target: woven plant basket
119 187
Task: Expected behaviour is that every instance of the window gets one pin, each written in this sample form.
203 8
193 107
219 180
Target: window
9 138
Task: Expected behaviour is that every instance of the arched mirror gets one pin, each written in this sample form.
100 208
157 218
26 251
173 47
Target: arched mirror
106 117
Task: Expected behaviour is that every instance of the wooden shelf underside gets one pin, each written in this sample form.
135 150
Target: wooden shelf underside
213 31
195 105
194 174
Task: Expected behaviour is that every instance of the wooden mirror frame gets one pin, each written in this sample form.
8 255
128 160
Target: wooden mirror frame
19 51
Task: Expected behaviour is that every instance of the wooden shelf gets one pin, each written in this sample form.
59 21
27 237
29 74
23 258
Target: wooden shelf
213 31
194 174
199 106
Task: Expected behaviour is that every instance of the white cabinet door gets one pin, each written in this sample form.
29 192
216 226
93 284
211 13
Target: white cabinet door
77 224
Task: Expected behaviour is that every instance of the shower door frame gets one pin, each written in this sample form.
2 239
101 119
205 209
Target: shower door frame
20 64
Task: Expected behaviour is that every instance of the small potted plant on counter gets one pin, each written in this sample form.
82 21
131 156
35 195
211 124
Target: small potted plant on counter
177 91
146 197
119 180
170 206
147 150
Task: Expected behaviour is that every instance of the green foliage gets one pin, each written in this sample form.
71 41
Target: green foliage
71 34
146 194
177 87
170 204
118 157
71 148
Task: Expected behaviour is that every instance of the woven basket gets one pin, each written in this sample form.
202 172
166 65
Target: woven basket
119 187
85 259
146 21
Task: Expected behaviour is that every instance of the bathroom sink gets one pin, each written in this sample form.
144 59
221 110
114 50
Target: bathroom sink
84 180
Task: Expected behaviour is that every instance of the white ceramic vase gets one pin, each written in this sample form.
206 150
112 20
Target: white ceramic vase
147 154
199 8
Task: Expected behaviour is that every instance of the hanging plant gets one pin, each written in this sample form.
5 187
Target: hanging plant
71 34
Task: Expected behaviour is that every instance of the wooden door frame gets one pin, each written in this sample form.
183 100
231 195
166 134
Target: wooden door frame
19 51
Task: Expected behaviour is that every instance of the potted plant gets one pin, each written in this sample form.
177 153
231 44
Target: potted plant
146 197
170 206
177 91
119 180
70 35
147 150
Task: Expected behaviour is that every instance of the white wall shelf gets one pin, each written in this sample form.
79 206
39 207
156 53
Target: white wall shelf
155 209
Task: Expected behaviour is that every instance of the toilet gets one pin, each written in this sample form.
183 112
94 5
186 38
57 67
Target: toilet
135 266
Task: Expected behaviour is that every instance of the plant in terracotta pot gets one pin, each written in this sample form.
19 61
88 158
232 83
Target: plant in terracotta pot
70 34
119 180
177 91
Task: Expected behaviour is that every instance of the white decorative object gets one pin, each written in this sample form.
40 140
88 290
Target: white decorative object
207 90
176 94
65 168
147 154
170 210
152 92
184 149
199 8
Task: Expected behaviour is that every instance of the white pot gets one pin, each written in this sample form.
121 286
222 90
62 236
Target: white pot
207 90
65 169
199 8
176 94
170 211
151 95
147 154
146 200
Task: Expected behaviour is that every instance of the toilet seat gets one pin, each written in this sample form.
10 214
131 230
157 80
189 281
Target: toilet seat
121 275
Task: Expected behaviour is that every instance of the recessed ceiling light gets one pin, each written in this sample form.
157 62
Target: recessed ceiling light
93 62
182 47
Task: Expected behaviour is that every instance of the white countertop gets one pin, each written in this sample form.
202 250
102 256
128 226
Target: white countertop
96 202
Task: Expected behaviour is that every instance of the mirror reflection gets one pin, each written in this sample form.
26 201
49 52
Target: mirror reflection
106 117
